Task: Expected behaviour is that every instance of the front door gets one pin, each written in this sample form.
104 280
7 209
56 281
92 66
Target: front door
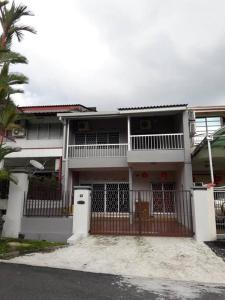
163 197
110 197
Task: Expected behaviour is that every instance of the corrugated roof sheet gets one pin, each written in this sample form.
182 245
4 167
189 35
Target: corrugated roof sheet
152 107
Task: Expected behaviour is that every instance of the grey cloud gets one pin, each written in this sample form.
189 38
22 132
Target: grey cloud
149 59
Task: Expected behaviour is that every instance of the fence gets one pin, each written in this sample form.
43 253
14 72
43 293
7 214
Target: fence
157 141
150 212
41 202
219 202
4 189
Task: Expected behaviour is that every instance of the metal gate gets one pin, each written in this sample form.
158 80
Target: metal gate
116 210
219 204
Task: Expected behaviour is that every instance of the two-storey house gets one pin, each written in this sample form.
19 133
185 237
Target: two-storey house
140 148
136 160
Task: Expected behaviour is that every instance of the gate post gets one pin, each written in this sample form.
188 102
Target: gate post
203 212
81 214
14 214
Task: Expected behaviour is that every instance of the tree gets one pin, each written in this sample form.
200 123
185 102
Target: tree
8 117
10 16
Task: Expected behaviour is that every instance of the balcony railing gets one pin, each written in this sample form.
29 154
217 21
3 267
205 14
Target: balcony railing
171 141
97 150
138 142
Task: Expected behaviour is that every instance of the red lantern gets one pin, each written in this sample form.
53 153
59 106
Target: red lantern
145 175
163 175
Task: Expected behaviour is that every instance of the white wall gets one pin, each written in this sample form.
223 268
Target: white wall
12 225
204 221
141 179
36 148
103 176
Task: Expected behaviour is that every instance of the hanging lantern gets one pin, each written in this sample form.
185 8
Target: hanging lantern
163 175
144 175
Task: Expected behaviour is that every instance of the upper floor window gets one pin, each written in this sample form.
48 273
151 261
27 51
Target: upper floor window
44 131
96 138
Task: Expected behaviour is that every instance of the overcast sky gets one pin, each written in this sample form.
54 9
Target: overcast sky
116 53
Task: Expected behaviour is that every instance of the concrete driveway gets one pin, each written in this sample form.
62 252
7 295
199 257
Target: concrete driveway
151 257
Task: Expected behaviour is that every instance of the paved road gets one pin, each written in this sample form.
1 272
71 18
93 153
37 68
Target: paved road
19 282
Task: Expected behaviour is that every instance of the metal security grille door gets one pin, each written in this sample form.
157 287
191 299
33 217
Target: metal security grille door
219 204
116 210
163 197
110 197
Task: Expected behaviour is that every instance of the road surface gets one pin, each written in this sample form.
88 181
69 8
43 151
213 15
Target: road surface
20 282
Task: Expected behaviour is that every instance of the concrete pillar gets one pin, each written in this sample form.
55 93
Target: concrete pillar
81 214
14 214
128 133
187 168
203 212
187 176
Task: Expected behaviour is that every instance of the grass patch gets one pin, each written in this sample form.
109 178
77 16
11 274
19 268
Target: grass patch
14 247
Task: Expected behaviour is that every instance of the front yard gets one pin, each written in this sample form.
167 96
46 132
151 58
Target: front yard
150 257
13 247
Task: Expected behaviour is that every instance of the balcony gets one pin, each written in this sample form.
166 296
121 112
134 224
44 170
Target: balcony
156 148
168 141
97 151
142 148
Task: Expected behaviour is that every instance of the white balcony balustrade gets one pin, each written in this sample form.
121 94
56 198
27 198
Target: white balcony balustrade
171 141
138 142
97 150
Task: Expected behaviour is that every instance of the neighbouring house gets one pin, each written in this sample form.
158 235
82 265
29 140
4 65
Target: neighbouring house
209 121
136 160
40 137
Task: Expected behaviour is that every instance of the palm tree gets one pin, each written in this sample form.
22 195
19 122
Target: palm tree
8 118
9 20
10 16
8 80
10 57
5 174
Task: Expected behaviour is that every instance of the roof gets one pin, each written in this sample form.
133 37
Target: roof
134 111
212 108
54 108
152 107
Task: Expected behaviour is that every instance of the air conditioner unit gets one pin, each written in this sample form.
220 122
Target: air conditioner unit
145 124
18 132
83 126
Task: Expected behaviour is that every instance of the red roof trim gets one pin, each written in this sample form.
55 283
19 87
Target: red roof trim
52 108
